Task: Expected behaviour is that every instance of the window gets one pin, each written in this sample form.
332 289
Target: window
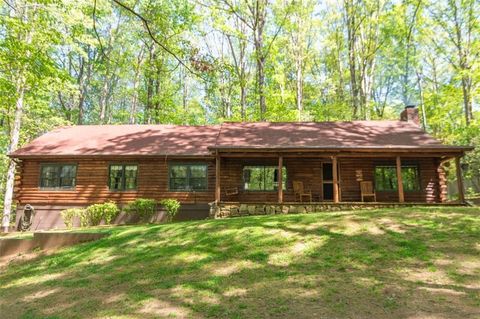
410 178
263 178
188 177
60 176
386 178
123 177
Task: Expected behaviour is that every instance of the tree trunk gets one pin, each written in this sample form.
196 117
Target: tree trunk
15 137
15 134
467 99
240 68
133 109
82 90
299 91
243 101
184 80
103 100
351 35
260 16
261 88
422 101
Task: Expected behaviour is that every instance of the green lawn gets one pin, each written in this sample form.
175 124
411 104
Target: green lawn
405 263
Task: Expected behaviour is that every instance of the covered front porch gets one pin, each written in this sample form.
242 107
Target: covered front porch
248 179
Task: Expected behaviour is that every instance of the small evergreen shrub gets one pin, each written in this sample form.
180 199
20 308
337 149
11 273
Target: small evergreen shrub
93 214
69 214
171 207
143 208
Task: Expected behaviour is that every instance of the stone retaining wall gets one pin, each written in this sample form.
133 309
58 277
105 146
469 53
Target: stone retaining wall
224 210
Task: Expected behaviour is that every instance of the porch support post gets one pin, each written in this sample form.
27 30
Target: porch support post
461 191
280 179
401 197
335 179
217 177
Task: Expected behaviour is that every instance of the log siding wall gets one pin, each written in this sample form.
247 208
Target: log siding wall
92 181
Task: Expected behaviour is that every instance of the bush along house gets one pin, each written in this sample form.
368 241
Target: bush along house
236 168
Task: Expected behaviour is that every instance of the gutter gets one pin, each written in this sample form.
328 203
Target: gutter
443 148
109 156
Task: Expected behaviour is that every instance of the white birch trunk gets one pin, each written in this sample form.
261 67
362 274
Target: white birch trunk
17 124
15 137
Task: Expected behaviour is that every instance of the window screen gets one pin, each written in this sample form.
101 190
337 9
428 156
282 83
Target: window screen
62 176
123 177
386 178
263 178
188 177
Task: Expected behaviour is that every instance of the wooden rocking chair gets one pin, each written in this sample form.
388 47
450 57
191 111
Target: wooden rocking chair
300 191
366 190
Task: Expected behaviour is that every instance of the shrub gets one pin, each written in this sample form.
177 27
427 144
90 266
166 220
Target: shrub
144 208
171 206
69 214
93 215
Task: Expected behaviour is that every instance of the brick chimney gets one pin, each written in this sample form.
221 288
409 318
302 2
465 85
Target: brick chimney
410 114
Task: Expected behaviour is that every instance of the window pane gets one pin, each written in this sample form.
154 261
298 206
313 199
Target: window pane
178 177
198 183
178 171
130 176
67 176
198 177
385 178
410 178
178 184
270 183
263 178
50 176
116 177
284 178
198 171
255 179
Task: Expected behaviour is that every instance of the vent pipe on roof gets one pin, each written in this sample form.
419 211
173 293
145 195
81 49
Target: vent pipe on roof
410 114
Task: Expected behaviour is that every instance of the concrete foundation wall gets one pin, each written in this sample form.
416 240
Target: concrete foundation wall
49 216
44 241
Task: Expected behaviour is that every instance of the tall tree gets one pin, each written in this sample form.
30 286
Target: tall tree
31 32
458 20
298 26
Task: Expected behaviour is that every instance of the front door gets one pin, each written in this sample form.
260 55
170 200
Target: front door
327 181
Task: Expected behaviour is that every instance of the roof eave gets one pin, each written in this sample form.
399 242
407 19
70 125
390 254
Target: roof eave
440 149
53 156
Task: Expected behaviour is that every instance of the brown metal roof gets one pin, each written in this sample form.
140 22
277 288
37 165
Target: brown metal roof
123 140
326 135
130 140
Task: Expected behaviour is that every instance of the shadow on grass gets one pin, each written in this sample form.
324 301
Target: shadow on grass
369 264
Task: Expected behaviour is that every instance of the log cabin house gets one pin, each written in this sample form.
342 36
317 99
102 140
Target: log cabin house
239 168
